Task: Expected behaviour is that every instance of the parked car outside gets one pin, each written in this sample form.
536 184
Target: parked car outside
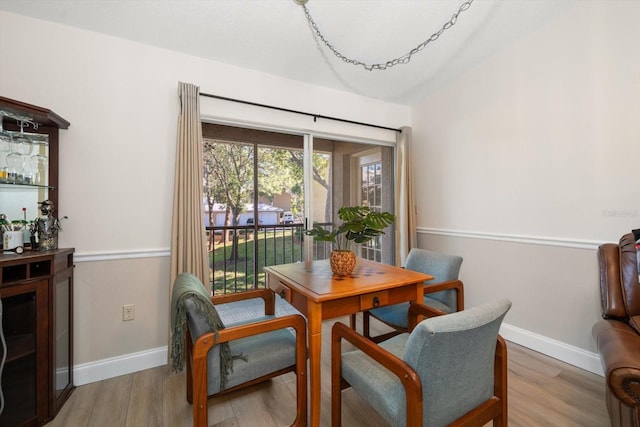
288 218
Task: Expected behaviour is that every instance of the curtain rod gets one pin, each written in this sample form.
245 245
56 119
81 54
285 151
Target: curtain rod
315 116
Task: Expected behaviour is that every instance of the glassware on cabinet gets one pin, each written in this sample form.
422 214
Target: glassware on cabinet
5 149
20 151
38 162
15 166
3 167
23 144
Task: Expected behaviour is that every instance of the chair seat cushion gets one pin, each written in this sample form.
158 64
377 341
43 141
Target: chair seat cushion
253 356
381 388
398 314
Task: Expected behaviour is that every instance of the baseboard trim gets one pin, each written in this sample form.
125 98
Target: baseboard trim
558 350
120 365
129 363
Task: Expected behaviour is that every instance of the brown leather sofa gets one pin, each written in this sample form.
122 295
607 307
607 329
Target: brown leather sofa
618 334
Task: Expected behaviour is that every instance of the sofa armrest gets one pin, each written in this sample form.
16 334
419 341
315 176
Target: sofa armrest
619 348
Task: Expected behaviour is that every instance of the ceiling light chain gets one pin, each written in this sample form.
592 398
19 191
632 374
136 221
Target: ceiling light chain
388 64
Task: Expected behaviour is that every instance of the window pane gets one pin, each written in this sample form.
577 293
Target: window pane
254 204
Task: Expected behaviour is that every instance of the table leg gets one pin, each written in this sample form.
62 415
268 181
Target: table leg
315 361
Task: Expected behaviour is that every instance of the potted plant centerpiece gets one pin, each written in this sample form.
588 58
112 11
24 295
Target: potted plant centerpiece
359 225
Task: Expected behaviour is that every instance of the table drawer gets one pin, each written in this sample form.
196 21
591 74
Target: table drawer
281 289
373 300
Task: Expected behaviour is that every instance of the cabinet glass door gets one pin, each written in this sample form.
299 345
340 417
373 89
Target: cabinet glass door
62 335
23 310
24 179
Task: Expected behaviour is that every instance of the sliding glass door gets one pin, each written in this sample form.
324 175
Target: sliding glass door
262 190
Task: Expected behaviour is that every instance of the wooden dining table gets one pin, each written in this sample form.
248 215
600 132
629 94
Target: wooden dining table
319 295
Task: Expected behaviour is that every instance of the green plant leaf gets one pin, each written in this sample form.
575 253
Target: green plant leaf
359 224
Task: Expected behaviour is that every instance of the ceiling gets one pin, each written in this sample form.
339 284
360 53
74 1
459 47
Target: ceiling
273 36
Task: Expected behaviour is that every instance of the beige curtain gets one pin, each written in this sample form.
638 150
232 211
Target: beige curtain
406 236
188 238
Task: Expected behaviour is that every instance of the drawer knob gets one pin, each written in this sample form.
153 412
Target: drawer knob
376 302
282 293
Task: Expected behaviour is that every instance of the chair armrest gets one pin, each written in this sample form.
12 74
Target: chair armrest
456 285
266 294
619 348
405 373
206 341
418 311
443 286
500 371
197 360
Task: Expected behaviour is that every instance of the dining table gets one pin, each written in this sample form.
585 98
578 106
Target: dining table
313 289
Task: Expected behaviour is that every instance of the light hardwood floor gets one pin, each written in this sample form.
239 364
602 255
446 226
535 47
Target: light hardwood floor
543 392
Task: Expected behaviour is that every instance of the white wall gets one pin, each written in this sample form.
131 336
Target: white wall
529 160
117 159
525 163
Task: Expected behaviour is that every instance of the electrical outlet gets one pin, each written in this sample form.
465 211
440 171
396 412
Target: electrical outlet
128 312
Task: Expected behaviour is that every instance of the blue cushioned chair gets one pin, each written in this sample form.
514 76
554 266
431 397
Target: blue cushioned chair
451 370
443 294
257 347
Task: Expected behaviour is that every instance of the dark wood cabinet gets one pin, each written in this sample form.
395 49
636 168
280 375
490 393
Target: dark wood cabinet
36 290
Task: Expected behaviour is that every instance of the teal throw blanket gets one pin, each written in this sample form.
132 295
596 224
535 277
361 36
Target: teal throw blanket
188 286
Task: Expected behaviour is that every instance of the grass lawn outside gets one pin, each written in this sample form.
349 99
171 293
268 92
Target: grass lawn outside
274 246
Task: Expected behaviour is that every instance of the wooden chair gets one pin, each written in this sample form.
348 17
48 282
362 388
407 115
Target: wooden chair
261 348
451 370
444 294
